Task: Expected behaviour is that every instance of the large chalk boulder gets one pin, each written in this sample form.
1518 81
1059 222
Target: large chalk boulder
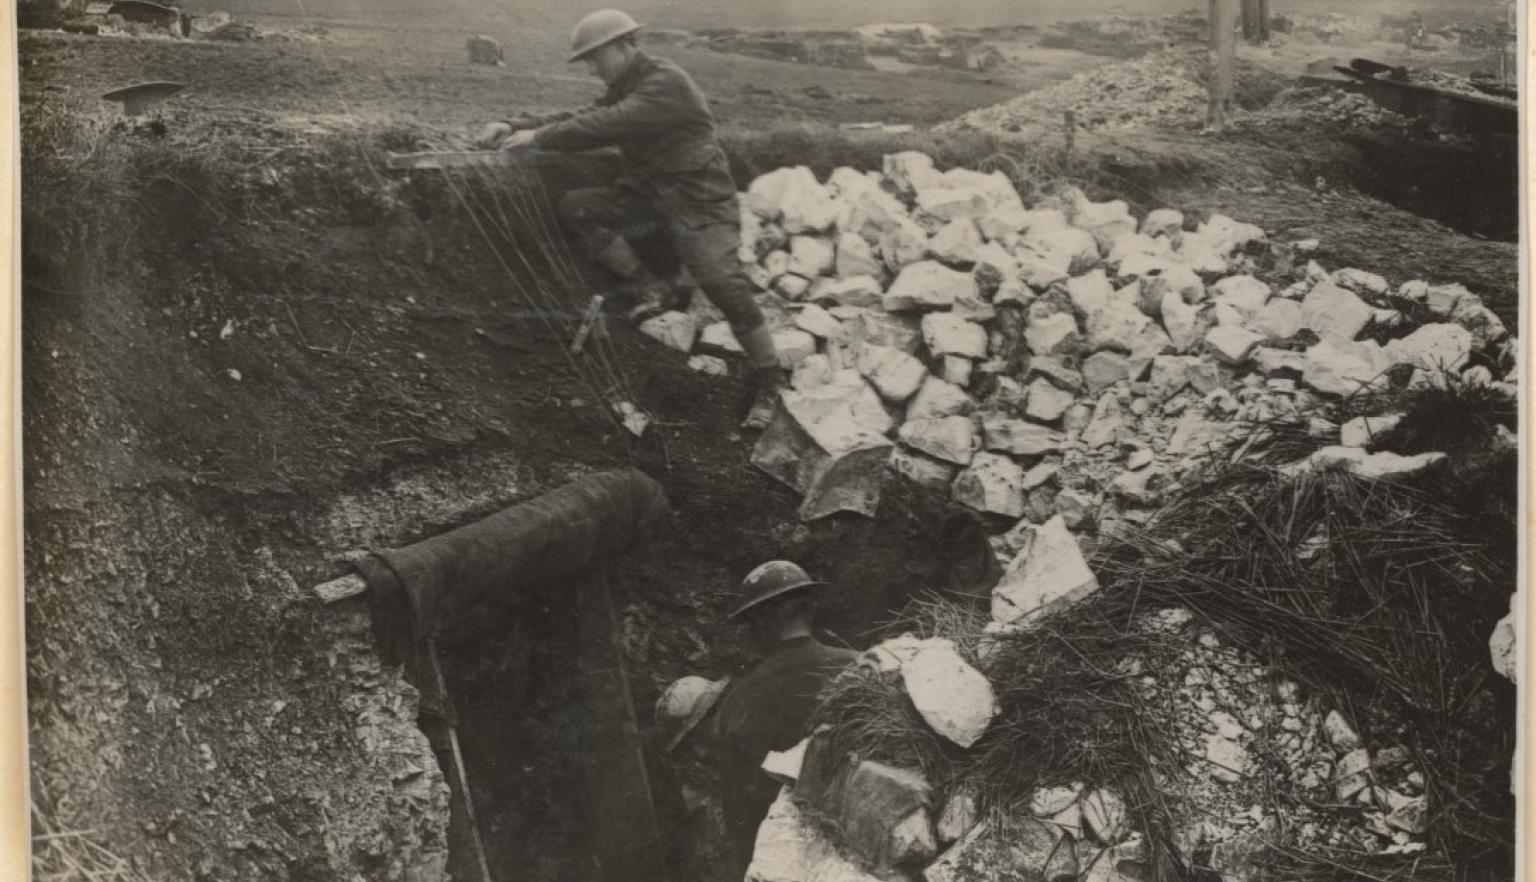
1047 575
953 697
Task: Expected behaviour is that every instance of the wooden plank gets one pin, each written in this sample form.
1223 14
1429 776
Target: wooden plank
626 836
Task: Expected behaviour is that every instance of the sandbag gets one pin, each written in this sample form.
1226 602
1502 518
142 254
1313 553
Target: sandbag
552 536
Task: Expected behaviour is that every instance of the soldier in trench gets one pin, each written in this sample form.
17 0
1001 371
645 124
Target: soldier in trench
678 177
766 708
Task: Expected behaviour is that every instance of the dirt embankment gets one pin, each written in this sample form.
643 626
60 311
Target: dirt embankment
241 365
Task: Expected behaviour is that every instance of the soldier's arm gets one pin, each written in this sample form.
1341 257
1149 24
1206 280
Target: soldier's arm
653 107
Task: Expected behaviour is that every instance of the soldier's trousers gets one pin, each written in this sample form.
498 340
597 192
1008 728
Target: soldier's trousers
598 215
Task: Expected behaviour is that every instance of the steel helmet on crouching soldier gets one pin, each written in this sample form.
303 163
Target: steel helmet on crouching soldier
770 580
599 29
683 705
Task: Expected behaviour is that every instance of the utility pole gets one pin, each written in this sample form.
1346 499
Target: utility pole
1223 16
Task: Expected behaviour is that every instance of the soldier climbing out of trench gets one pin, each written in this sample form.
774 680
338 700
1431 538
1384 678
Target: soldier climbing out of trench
678 176
766 708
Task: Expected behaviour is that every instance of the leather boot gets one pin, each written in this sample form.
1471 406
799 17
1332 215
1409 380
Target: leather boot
647 294
769 384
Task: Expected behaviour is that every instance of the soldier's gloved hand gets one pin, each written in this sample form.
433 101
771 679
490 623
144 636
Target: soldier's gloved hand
491 135
518 139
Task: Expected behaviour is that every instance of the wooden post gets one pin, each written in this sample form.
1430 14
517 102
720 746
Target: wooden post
1223 15
626 835
1256 21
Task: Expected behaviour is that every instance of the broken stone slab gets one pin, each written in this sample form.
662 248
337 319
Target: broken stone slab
1433 347
954 698
709 364
937 398
1380 466
1412 817
1139 487
1184 322
1196 435
1040 270
1270 362
792 286
879 328
923 470
1486 327
675 330
783 766
1327 308
1137 255
969 304
957 370
870 804
1104 815
1170 374
1115 325
1057 371
810 256
855 257
829 444
956 243
1090 291
1048 574
1244 294
1209 247
949 438
812 371
1339 366
927 285
908 171
958 817
1226 759
992 484
1105 369
806 207
1039 474
1106 425
1051 333
902 244
1019 437
1076 508
870 212
1341 735
818 322
1232 344
935 207
1352 774
995 185
720 336
1047 402
1277 321
1361 431
894 374
1361 282
1107 221
789 848
1020 848
792 346
1063 247
949 334
1501 643
765 195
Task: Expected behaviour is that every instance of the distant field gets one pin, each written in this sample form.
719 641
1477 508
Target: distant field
798 14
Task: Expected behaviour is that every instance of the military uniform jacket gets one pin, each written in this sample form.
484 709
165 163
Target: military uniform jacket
660 122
